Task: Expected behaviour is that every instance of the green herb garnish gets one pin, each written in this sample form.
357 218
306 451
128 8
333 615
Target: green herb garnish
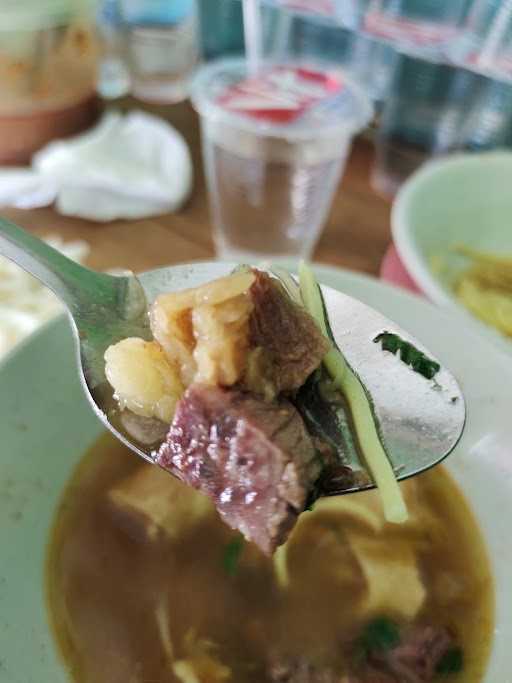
232 553
409 354
452 662
380 635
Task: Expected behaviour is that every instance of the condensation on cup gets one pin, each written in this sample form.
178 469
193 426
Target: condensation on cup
274 148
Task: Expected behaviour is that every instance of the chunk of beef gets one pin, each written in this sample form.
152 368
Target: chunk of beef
414 660
286 331
253 458
300 670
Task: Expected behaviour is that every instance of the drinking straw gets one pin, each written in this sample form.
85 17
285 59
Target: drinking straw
252 35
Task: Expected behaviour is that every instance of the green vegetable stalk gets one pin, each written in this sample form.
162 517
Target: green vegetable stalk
232 554
364 422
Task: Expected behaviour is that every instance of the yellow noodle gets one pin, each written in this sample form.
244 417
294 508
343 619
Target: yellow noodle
485 287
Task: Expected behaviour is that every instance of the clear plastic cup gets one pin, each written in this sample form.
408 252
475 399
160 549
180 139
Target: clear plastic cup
368 62
485 44
271 183
162 46
415 23
488 124
347 13
422 117
372 64
295 37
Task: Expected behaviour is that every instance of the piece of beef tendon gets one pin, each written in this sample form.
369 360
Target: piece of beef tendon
253 458
286 332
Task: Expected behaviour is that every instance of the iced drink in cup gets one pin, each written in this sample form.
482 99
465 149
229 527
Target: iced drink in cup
274 149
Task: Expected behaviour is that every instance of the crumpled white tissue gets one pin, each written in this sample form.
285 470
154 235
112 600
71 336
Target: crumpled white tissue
25 189
131 166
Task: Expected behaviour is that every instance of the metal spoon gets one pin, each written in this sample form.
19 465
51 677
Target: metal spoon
420 420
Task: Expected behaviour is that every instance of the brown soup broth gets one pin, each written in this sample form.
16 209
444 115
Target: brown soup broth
108 584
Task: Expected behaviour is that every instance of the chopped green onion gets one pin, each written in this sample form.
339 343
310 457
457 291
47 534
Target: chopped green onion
409 354
452 662
232 554
380 635
364 421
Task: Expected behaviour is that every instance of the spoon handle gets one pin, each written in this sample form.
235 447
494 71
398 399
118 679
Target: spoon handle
75 285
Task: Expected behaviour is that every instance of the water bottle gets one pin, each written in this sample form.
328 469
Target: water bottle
163 47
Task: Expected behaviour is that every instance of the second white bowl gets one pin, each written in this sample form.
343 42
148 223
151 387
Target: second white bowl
463 199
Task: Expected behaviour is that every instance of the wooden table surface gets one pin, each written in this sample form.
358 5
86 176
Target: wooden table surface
355 236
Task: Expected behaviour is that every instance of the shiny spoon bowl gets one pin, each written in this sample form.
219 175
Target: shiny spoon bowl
420 420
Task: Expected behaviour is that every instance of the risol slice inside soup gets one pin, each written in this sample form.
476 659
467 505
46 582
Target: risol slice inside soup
146 584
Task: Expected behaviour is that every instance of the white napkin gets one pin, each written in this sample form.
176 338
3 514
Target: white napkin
131 166
25 189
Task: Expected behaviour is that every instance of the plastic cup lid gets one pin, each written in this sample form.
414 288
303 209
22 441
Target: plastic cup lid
294 101
38 14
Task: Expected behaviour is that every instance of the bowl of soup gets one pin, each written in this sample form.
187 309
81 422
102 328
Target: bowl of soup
113 571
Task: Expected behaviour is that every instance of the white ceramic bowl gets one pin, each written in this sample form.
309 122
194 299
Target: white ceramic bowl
467 199
47 425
